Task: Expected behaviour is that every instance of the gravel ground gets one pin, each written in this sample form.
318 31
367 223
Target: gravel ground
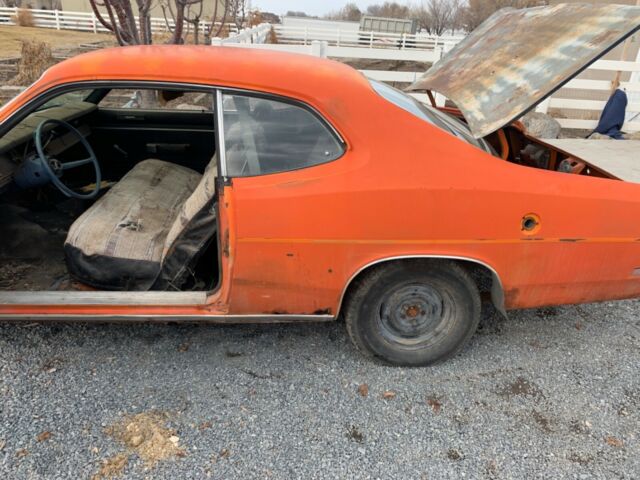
551 393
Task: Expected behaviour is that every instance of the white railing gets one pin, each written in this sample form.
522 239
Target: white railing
255 35
594 107
86 21
349 38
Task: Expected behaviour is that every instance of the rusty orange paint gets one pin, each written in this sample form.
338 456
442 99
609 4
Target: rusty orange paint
403 188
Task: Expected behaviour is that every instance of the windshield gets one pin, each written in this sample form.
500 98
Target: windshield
442 120
75 96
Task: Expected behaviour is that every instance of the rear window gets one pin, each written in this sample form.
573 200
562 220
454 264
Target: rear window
444 121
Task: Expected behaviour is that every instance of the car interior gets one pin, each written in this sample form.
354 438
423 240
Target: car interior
111 189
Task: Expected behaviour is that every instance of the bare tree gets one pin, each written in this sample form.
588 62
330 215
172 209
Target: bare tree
181 12
221 13
479 10
389 9
119 17
239 12
350 13
435 16
121 20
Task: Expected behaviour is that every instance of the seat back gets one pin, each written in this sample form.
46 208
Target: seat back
194 227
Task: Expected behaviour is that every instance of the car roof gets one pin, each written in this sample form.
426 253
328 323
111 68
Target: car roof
302 76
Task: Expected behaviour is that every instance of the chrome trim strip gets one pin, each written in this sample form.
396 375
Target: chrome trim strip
222 151
104 298
218 319
497 294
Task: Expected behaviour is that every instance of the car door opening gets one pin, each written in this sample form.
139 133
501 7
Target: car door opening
111 189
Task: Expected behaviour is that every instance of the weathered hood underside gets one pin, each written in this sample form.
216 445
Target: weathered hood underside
517 58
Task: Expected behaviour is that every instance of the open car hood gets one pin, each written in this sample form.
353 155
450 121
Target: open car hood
517 58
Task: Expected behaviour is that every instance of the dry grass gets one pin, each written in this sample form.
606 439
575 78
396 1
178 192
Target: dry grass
11 38
23 18
35 59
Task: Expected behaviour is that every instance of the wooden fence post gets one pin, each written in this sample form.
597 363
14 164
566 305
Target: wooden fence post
57 15
319 48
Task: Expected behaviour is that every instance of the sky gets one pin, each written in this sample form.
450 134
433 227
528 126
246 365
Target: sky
311 7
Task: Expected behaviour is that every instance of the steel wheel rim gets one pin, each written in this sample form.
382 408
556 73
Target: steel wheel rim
414 315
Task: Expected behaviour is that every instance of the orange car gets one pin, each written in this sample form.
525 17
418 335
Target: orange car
229 185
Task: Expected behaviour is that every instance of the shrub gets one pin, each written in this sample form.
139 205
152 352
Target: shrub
23 18
273 36
35 58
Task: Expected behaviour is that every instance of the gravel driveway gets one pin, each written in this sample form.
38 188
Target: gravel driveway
550 393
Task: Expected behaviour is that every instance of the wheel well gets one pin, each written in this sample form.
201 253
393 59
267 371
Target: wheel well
485 277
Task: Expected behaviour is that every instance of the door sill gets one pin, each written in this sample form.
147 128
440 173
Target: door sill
104 298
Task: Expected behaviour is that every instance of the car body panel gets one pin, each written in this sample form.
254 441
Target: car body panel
517 58
292 242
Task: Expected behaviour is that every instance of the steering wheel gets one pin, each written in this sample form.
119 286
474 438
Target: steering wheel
54 168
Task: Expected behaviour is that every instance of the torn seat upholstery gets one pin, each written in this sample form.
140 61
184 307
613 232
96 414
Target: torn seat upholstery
146 231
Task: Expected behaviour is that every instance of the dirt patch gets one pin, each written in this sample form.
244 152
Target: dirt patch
389 65
354 434
547 312
521 387
435 403
145 435
582 459
455 455
112 467
542 421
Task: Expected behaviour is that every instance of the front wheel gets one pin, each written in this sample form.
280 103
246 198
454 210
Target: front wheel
413 313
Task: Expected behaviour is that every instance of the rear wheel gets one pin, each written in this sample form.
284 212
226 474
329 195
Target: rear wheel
413 313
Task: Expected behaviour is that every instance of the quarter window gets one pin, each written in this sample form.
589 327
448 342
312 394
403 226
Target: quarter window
265 136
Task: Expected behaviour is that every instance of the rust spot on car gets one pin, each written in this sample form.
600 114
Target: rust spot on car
225 243
511 296
289 254
278 311
323 311
533 239
330 271
572 239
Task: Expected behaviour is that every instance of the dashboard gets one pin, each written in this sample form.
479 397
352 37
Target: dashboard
22 133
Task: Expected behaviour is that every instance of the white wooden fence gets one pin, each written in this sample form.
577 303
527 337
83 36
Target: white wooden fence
349 38
85 21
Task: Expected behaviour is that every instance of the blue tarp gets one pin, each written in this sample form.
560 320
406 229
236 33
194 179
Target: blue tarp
612 117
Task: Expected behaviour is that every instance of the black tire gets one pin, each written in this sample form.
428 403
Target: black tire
413 312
